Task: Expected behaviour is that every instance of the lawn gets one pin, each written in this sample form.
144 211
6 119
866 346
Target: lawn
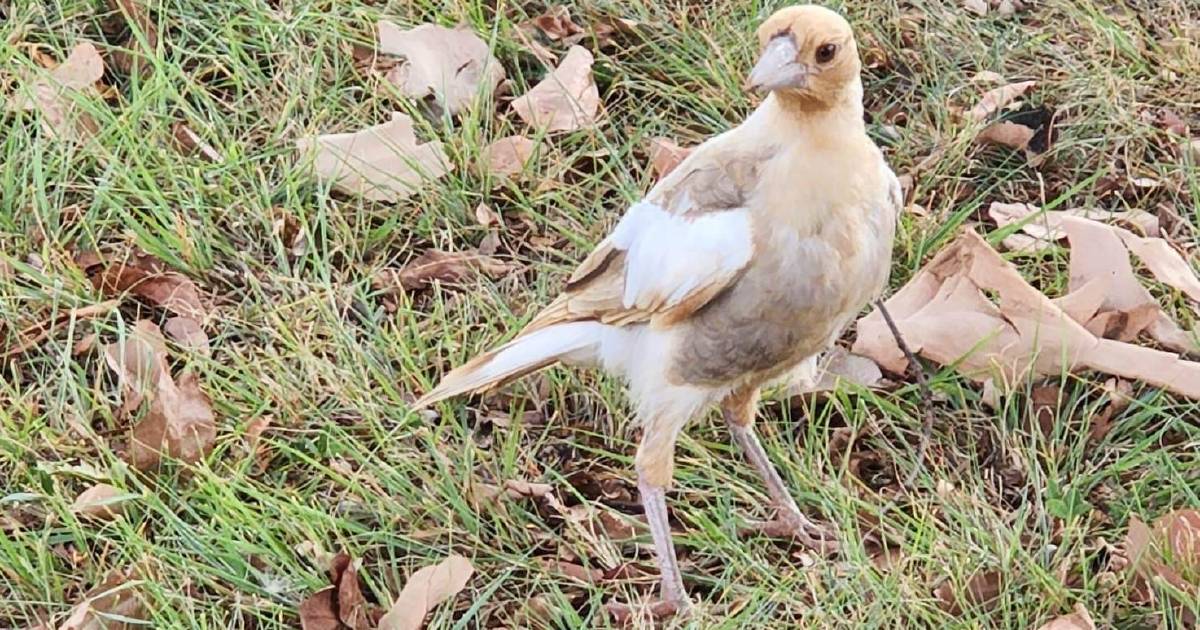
1018 514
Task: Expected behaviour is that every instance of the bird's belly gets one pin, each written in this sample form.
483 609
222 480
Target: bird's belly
781 312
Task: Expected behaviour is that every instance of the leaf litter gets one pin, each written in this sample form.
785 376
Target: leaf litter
426 589
945 314
446 67
381 163
180 421
57 95
341 605
566 100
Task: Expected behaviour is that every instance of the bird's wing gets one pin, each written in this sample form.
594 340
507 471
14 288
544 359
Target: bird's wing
672 252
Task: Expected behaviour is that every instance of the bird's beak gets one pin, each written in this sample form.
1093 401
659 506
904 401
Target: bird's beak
777 68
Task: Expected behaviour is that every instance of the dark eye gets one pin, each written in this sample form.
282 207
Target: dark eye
826 52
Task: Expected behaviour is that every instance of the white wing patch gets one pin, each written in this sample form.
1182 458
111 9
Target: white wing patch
670 256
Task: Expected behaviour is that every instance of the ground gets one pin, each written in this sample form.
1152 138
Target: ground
303 337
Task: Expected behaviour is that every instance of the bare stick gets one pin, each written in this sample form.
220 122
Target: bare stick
926 395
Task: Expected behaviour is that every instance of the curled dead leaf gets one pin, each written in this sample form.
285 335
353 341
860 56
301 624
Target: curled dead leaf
1040 229
129 58
507 156
566 100
180 421
188 334
380 163
438 266
556 24
947 314
445 66
996 99
425 589
1007 134
980 590
339 606
665 155
103 607
101 501
146 277
58 95
1169 552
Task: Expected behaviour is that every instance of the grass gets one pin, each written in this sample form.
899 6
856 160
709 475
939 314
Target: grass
302 337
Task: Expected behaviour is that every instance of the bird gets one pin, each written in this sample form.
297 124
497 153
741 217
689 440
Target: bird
738 268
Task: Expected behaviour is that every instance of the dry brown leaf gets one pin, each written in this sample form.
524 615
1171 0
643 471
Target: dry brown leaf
607 28
146 277
188 334
188 142
1168 552
946 314
836 365
34 334
56 95
507 156
978 7
180 421
665 155
380 163
100 501
573 571
566 100
341 605
1007 134
1078 620
130 59
447 66
986 76
486 216
438 266
1041 229
511 489
425 589
1101 272
556 24
981 589
996 99
103 606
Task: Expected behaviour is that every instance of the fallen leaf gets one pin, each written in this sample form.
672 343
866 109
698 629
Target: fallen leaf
104 607
425 589
57 95
1168 551
946 314
486 217
606 28
556 24
101 501
511 489
978 7
996 99
506 157
665 155
341 605
1100 265
380 163
1078 620
146 277
1007 134
128 58
189 142
987 76
438 266
837 365
573 571
188 334
1045 228
566 100
445 65
981 590
180 421
1167 120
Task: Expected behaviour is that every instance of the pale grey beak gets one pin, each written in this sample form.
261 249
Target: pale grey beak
777 68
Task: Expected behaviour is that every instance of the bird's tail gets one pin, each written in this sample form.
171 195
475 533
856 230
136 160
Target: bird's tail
527 353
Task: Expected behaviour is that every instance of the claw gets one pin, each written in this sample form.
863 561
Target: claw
822 539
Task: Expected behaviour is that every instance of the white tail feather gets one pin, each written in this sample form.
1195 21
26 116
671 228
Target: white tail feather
518 357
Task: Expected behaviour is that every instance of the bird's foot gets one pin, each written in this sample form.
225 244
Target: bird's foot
820 538
625 614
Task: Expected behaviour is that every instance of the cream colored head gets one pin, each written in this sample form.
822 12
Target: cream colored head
807 54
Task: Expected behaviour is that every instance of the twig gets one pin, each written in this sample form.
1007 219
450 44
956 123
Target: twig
926 394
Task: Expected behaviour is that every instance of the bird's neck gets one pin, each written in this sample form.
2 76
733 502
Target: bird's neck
839 113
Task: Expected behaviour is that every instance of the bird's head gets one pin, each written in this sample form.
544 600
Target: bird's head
807 53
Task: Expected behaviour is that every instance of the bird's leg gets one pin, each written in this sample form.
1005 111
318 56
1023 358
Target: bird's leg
739 410
655 465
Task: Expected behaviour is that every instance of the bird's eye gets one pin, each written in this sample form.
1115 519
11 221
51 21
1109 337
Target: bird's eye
826 52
